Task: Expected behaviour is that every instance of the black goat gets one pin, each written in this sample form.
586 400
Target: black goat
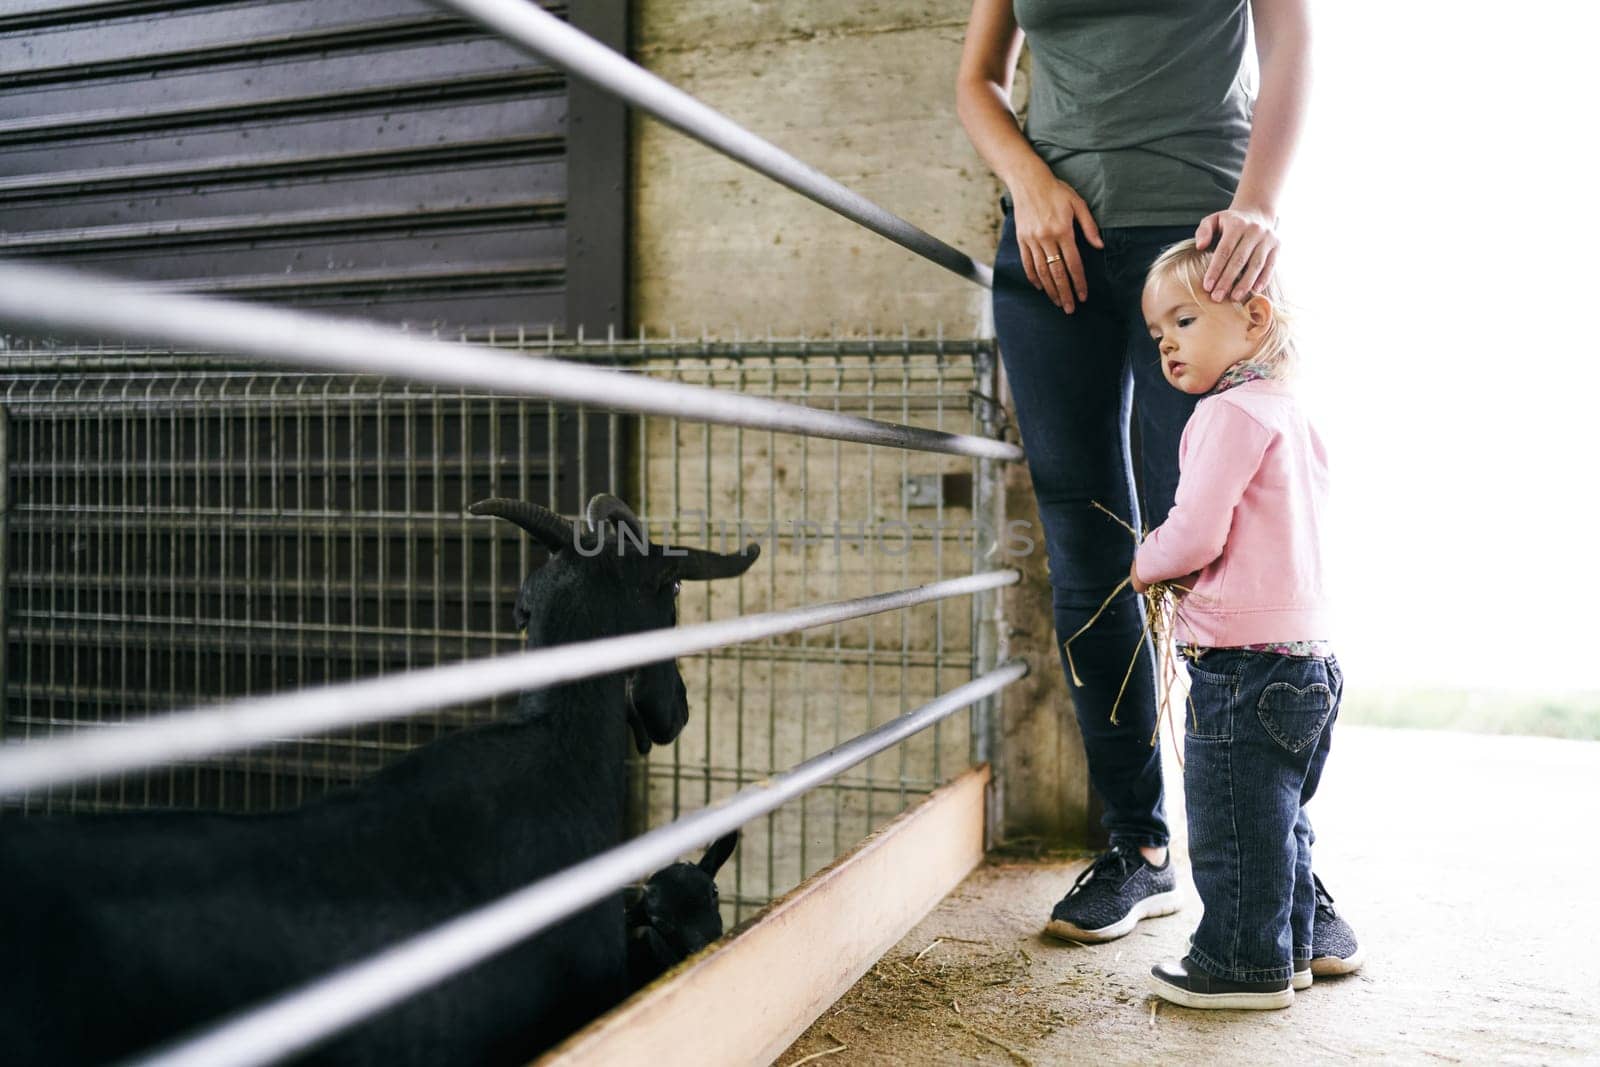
120 931
675 914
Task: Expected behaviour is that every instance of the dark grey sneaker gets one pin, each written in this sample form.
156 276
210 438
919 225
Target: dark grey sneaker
1185 982
1109 898
1301 980
1334 949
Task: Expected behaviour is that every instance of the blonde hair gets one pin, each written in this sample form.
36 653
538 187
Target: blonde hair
1276 354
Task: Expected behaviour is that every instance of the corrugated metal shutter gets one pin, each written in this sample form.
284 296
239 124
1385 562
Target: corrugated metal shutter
179 530
374 157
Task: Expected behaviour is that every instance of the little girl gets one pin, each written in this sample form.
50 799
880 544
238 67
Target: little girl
1254 629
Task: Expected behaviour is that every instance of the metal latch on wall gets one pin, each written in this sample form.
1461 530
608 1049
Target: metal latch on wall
952 489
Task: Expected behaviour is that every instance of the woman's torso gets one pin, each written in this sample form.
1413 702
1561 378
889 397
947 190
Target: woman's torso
1143 106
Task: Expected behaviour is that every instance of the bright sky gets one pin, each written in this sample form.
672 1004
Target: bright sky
1440 235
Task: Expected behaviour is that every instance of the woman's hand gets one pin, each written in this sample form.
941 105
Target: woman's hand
1246 249
1046 210
1047 217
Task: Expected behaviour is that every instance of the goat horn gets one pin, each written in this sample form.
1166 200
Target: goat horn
699 565
546 527
603 506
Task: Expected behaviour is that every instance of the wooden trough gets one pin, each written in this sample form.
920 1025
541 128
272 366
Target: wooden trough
745 999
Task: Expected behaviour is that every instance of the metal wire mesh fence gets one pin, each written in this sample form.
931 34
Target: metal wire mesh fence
180 529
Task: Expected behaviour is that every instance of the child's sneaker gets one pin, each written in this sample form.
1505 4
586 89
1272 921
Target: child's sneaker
1109 898
1301 979
1334 949
1187 983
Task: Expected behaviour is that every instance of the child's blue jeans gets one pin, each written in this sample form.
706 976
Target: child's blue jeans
1255 742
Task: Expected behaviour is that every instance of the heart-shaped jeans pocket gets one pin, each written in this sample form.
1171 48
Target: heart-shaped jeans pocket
1295 717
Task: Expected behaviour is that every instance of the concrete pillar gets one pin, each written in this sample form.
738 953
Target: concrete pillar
865 92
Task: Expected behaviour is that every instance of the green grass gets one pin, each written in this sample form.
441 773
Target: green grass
1573 715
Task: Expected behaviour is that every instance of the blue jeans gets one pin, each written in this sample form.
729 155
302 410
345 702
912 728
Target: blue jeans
1076 381
1256 739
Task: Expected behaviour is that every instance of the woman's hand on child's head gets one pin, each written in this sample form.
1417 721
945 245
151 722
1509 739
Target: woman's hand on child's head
1246 248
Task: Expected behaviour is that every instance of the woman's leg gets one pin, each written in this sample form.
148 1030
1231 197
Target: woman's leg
1160 410
1072 394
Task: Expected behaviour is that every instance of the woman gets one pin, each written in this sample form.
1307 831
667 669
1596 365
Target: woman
1142 130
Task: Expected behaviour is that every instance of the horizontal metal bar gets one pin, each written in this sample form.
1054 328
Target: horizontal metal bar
280 226
690 354
120 122
371 642
547 37
447 591
217 522
375 34
287 521
281 753
366 466
381 281
111 399
242 724
283 167
336 643
696 771
115 394
292 770
47 13
46 299
300 1019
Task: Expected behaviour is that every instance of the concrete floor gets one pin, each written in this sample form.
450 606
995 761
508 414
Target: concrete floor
1467 865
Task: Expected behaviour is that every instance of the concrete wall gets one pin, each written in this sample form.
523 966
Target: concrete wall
865 93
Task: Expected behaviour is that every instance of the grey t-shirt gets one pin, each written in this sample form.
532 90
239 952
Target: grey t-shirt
1142 106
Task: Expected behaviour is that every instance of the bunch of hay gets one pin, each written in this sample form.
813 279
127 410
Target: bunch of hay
1163 603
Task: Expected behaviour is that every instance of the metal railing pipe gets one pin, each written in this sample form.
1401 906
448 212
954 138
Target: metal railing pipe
299 1019
537 31
242 724
50 299
5 540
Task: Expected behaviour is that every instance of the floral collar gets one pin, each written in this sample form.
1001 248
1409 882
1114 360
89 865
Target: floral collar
1241 372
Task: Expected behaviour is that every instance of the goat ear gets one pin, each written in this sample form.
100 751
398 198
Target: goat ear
697 564
718 853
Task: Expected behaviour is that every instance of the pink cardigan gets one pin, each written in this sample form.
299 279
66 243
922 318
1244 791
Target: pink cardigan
1252 496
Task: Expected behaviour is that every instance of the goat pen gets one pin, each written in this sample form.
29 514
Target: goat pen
197 523
184 529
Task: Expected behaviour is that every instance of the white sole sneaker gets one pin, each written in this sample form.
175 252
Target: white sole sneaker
1151 907
1330 966
1300 981
1235 1001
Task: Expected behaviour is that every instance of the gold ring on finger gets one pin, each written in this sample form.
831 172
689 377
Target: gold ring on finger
1052 259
